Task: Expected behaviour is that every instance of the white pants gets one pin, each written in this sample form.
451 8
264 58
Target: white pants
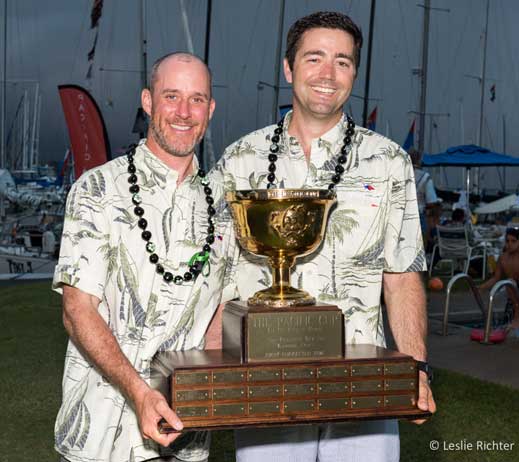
362 441
167 459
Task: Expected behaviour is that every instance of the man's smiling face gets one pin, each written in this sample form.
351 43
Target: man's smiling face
323 73
180 106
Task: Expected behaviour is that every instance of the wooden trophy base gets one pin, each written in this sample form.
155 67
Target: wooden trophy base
285 366
211 389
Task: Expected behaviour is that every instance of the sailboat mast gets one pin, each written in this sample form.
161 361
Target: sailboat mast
33 153
368 64
140 124
208 30
25 133
483 77
462 122
504 134
144 46
504 152
278 61
37 132
482 95
423 86
201 148
3 112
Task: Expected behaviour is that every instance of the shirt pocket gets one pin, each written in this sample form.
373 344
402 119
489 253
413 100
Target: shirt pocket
359 220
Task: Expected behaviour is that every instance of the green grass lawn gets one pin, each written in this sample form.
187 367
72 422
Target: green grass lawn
32 348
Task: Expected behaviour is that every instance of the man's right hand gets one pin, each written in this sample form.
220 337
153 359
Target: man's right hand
151 408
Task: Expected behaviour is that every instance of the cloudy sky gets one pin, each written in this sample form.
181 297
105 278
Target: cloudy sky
48 42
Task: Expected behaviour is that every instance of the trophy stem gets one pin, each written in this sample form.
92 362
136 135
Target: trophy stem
281 293
281 265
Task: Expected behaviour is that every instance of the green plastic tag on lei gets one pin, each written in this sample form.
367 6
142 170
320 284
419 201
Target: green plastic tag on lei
203 258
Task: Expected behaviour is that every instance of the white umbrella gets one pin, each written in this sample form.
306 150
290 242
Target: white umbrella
501 205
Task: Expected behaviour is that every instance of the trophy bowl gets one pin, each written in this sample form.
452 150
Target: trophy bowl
280 224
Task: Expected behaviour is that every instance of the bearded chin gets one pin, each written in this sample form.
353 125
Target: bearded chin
174 149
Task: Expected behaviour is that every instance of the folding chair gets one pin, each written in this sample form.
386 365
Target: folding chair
454 246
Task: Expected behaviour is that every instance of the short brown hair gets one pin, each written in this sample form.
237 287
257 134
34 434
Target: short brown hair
325 20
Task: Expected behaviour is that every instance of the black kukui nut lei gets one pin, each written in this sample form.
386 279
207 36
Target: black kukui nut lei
200 259
339 168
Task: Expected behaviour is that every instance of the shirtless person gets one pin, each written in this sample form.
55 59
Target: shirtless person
508 268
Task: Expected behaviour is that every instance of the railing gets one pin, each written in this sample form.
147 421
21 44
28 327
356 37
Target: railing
495 289
450 285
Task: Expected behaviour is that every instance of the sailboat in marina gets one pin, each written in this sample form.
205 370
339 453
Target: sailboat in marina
32 196
31 200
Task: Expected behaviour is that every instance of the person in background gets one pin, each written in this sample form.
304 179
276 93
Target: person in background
457 217
508 268
425 195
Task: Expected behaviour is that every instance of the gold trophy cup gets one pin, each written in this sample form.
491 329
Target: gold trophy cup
281 224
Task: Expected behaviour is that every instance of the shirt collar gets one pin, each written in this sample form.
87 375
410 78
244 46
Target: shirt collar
334 136
158 171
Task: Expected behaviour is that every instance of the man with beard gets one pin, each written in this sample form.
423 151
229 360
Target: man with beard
140 270
373 236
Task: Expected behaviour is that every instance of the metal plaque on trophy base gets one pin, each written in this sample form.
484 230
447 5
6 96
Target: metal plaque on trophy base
256 333
284 360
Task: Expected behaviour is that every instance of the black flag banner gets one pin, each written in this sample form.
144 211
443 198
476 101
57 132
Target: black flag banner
92 52
95 15
89 73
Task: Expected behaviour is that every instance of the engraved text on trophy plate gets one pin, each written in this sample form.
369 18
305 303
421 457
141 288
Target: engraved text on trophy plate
294 335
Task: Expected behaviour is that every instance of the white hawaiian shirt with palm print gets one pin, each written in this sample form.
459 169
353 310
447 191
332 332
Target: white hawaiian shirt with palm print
103 254
373 228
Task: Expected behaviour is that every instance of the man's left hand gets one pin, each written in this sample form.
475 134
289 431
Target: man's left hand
425 396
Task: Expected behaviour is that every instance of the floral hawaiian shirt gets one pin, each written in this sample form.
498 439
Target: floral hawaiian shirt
374 227
103 254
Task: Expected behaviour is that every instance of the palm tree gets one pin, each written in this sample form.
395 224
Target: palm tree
340 224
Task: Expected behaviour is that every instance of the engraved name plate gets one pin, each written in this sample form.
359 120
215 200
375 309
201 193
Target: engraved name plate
333 404
264 391
297 335
332 372
264 408
299 389
403 384
228 393
259 375
360 370
399 400
399 368
229 376
192 378
367 385
363 402
192 411
228 409
299 406
192 395
334 387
